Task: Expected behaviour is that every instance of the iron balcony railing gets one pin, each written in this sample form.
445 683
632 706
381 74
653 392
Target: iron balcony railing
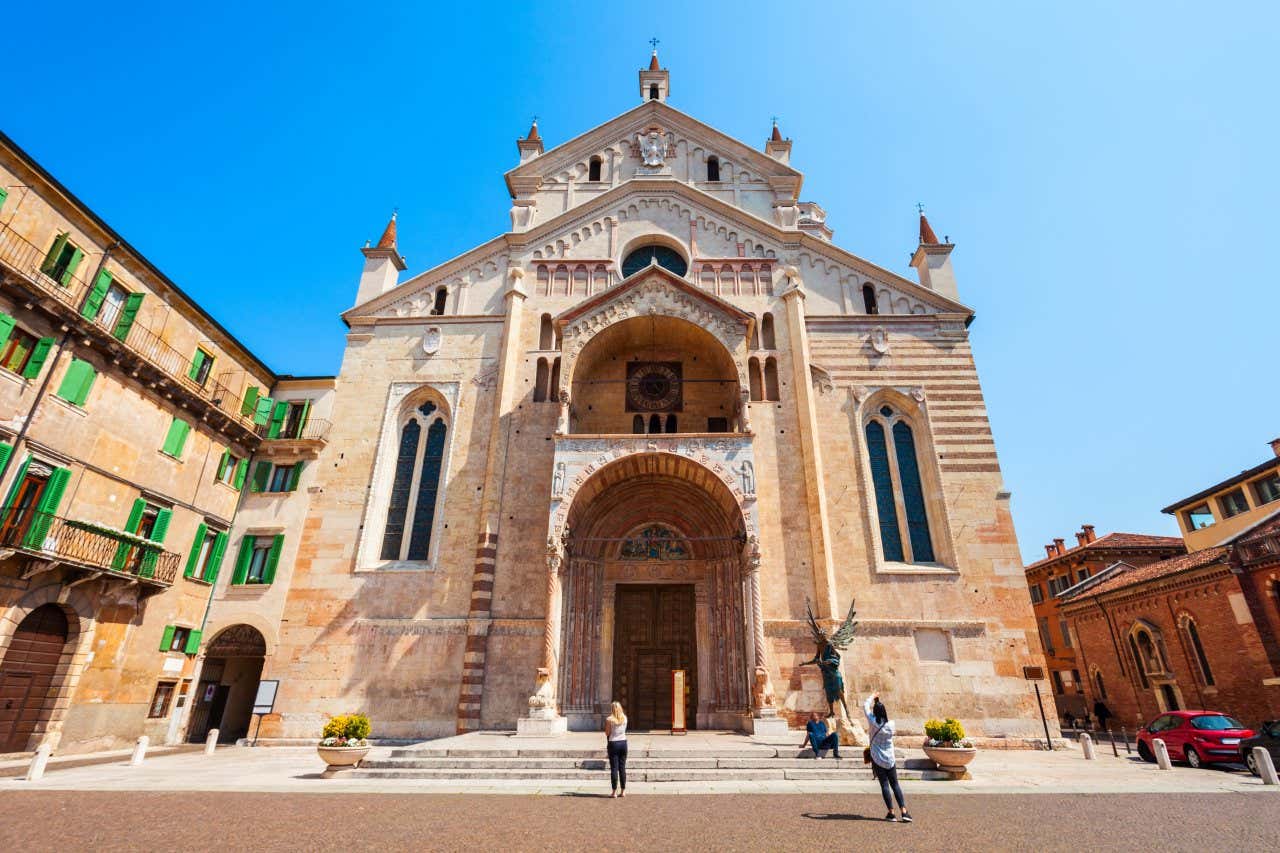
26 259
87 545
312 429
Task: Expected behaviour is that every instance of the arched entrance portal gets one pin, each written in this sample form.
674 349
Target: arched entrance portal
228 684
27 674
653 583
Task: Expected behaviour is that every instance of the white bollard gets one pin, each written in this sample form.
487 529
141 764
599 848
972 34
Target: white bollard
1086 744
1162 755
211 742
41 759
1266 767
139 751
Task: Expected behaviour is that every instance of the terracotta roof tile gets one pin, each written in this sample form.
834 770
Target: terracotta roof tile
388 238
1162 569
1114 541
926 233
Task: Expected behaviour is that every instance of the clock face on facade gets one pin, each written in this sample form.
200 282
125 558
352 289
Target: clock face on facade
654 386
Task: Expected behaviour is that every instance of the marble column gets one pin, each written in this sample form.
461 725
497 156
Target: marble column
765 722
544 719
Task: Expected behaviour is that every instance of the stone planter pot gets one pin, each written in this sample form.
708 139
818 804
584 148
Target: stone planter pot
950 759
341 757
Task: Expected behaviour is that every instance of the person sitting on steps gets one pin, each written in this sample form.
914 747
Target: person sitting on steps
820 737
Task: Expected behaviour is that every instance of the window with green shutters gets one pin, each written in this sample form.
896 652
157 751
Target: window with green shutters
258 559
231 469
39 355
250 403
77 382
150 522
262 411
276 478
201 365
17 345
46 507
63 260
127 315
97 295
177 638
261 477
207 551
6 450
278 412
176 439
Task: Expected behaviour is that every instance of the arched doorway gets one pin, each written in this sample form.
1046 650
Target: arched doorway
654 583
27 674
228 684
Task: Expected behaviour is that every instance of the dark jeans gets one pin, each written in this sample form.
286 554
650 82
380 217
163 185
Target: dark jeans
888 779
831 742
618 763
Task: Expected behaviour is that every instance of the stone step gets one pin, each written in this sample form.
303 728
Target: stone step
641 775
598 763
763 752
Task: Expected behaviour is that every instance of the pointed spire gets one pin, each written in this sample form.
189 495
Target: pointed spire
653 61
927 237
388 238
776 136
533 131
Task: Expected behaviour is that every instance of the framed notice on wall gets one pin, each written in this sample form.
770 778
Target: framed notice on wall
678 680
265 701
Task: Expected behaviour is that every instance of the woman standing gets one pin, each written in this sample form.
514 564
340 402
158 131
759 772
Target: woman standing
884 763
615 732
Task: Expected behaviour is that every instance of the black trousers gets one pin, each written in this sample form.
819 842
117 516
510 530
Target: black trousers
618 763
888 779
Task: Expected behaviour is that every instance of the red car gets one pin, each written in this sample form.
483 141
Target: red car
1196 737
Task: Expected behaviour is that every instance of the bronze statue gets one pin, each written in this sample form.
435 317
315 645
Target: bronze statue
828 656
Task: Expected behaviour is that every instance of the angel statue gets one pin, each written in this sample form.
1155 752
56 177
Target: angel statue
651 148
827 656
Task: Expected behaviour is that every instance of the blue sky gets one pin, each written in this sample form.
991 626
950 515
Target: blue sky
1106 170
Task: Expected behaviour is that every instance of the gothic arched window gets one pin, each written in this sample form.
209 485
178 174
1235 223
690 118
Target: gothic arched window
1099 685
869 299
713 168
419 460
593 169
666 257
1202 660
899 489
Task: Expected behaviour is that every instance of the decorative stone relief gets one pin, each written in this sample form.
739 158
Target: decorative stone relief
748 472
879 340
822 381
431 340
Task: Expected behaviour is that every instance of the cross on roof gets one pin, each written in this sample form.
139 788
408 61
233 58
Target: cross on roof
920 207
654 42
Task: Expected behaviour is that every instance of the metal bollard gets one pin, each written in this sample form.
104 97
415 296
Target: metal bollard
1266 767
1086 744
1162 754
41 759
1112 736
211 742
1124 734
139 751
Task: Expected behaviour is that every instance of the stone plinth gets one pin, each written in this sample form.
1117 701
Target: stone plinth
548 726
769 727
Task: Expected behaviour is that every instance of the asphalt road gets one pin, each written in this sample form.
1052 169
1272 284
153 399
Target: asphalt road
104 821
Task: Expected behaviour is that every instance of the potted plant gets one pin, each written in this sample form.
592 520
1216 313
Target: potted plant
344 742
946 745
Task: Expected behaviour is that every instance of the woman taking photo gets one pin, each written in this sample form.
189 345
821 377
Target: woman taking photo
615 732
884 762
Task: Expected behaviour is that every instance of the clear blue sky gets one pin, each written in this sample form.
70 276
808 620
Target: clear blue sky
1106 170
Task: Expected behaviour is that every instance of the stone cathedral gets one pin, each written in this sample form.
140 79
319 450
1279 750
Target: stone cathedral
640 432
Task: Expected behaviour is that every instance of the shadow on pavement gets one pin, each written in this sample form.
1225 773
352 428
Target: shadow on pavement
826 816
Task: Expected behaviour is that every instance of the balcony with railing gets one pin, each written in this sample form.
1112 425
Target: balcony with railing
306 435
142 353
51 542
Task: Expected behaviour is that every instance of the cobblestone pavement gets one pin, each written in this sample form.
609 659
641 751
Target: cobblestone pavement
104 821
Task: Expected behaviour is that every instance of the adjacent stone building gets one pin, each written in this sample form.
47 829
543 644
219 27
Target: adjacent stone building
1195 631
640 433
1060 570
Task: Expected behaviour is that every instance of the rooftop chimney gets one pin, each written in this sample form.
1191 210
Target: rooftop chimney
1090 536
1060 544
1051 550
1082 538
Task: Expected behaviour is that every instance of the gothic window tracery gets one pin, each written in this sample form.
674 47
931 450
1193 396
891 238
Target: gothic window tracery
666 257
655 542
418 463
905 536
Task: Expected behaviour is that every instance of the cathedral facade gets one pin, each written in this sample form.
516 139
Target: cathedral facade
649 429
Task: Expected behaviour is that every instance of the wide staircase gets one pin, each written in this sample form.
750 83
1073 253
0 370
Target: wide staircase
650 759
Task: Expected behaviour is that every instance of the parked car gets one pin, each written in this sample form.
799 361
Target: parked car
1268 737
1196 737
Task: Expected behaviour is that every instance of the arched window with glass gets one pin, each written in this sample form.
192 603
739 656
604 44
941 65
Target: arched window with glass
899 489
416 483
1196 647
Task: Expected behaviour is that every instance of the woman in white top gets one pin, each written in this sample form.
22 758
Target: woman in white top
615 732
884 762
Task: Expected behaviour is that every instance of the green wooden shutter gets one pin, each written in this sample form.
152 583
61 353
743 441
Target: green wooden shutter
166 639
39 353
250 403
4 194
125 323
196 364
302 418
76 257
151 556
242 470
50 499
51 259
295 475
176 439
6 328
223 463
77 381
273 558
261 476
161 528
193 643
262 412
193 559
277 419
131 526
216 553
242 560
93 302
6 450
17 481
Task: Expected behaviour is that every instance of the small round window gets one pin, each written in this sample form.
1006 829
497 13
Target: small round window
667 258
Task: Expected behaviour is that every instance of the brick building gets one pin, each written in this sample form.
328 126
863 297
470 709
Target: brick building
1198 630
1061 569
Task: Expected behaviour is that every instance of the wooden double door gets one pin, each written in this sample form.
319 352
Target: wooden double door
27 673
654 633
